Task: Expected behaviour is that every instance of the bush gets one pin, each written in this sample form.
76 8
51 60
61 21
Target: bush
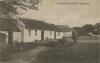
5 51
3 38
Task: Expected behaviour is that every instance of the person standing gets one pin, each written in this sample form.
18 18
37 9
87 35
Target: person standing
74 35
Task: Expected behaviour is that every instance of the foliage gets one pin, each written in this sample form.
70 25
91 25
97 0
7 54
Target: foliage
97 26
87 28
78 29
3 38
10 6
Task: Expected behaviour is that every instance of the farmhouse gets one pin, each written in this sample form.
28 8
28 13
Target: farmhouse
37 30
29 30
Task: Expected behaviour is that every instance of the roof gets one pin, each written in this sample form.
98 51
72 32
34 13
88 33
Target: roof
37 24
41 25
10 24
7 24
63 28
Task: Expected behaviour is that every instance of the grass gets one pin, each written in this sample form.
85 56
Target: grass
64 52
89 38
79 53
6 50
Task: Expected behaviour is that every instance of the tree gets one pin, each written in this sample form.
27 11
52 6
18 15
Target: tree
10 6
97 26
87 28
78 29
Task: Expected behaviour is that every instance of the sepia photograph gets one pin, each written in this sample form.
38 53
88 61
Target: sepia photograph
49 31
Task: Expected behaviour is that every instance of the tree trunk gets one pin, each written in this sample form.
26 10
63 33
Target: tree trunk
22 36
10 38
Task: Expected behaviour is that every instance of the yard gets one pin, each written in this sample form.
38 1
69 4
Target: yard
79 53
84 51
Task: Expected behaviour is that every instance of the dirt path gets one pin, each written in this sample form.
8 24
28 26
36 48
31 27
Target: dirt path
26 57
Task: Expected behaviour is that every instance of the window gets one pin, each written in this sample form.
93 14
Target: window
29 31
35 32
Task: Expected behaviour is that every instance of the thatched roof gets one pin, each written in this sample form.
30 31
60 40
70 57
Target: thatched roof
63 28
37 24
7 24
41 25
10 24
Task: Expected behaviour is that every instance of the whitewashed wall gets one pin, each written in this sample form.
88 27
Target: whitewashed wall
52 34
68 34
17 36
60 35
49 34
31 37
27 37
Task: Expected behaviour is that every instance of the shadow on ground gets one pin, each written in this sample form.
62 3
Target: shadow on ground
78 53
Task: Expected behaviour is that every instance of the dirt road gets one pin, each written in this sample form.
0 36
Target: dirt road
81 52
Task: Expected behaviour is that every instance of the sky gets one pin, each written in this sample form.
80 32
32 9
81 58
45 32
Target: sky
66 12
